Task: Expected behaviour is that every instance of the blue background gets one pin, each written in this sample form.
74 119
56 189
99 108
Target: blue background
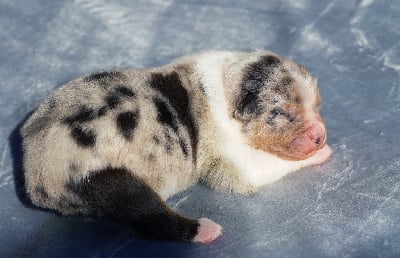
348 207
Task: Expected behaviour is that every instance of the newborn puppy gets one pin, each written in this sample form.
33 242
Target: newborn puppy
117 144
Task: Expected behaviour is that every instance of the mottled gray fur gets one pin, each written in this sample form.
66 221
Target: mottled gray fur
156 123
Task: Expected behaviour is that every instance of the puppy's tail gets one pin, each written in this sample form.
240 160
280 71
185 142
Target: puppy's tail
116 193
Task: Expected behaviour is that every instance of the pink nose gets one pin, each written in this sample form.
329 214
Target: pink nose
317 135
313 139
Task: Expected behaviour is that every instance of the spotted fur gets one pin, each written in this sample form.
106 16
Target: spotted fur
127 122
117 144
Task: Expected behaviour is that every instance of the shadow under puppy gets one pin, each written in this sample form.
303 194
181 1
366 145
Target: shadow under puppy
117 144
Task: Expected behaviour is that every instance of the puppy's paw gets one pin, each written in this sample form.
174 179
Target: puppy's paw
320 156
207 231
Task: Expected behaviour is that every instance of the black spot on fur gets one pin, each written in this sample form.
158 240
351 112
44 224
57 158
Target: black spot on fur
102 76
255 77
184 147
164 114
124 91
117 194
249 102
102 111
171 87
126 123
84 114
83 137
112 100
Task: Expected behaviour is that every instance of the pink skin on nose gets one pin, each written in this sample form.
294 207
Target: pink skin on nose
311 140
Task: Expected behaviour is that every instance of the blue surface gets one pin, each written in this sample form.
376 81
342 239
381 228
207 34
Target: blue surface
349 207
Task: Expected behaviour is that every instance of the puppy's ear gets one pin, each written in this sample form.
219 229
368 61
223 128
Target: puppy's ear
255 78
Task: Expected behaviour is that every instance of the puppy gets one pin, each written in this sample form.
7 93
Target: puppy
117 144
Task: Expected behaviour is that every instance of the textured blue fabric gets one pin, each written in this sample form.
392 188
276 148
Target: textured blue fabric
348 207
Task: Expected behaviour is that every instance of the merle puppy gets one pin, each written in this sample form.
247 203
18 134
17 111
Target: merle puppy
117 144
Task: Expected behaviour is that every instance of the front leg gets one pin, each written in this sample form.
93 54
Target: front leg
221 174
318 158
245 169
257 168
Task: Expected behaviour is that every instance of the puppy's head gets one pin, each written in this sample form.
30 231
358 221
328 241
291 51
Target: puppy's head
278 104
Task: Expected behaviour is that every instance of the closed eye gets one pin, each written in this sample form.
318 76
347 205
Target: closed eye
276 112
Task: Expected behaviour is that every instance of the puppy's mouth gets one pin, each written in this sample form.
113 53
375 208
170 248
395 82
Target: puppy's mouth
303 144
306 143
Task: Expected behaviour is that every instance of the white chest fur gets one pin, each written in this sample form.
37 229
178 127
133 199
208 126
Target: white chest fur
256 167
